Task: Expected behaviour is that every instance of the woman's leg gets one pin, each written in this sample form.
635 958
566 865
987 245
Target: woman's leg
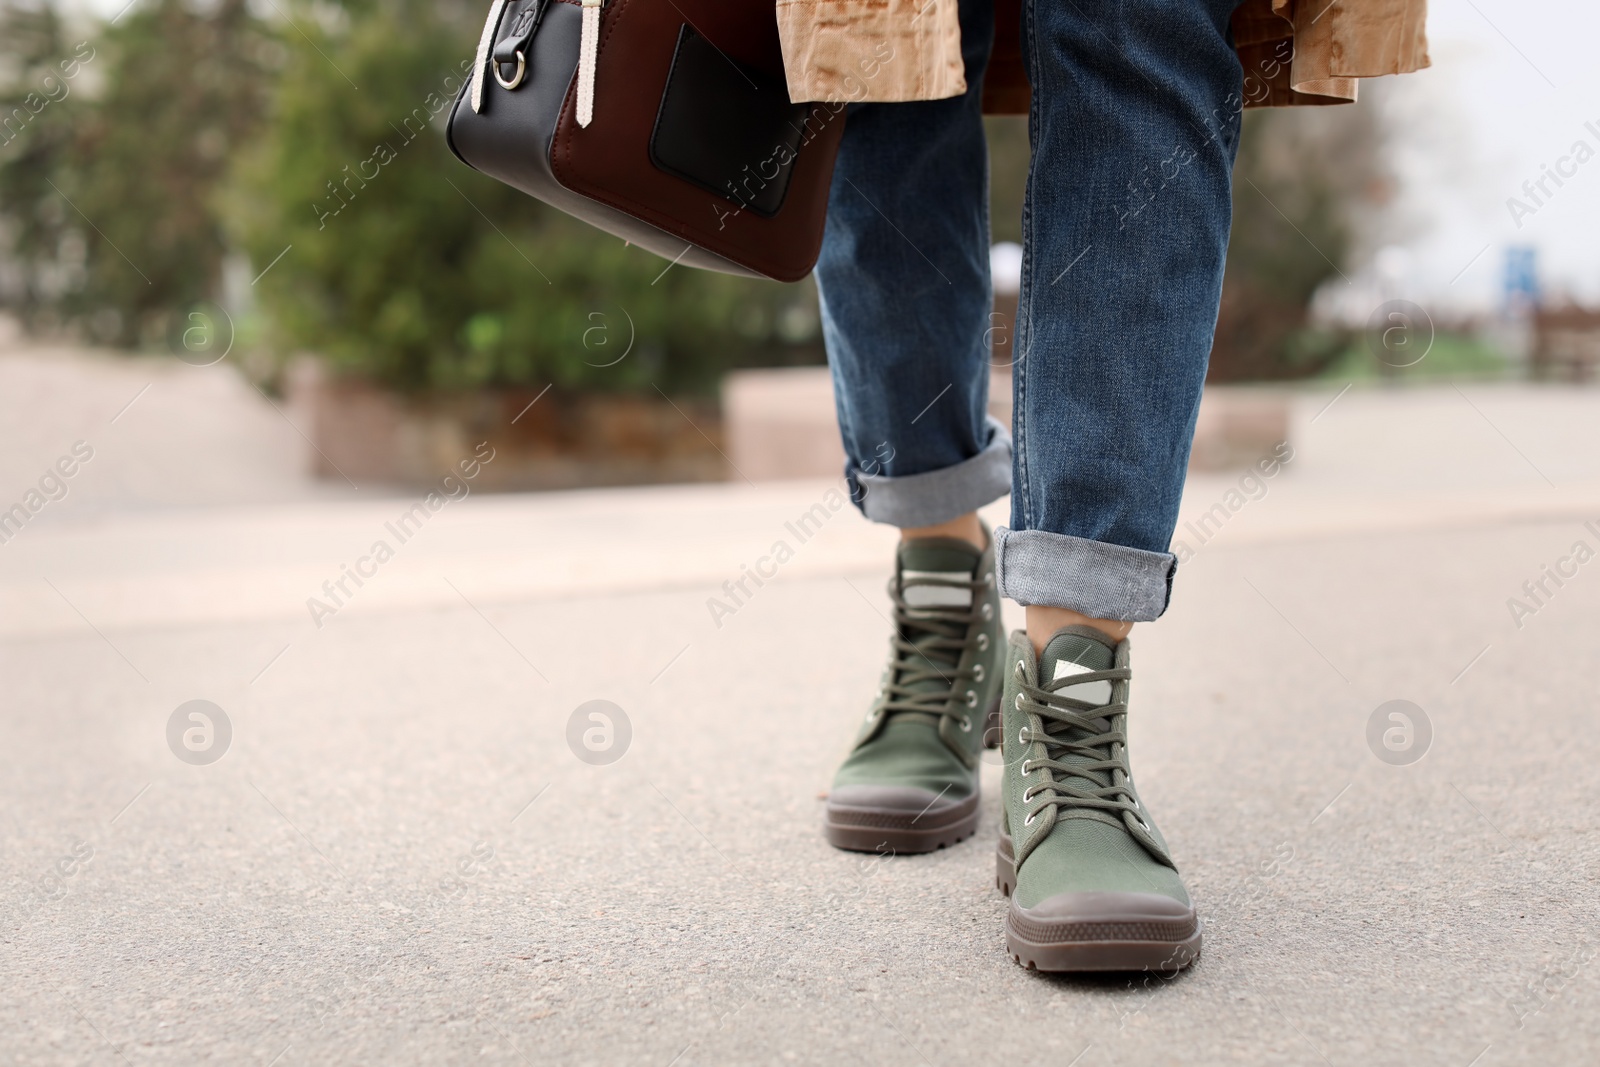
904 281
1134 123
904 284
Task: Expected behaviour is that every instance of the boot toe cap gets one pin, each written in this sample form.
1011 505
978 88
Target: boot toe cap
901 800
898 818
1102 915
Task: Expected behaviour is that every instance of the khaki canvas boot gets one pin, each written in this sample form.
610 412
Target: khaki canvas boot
1092 885
911 782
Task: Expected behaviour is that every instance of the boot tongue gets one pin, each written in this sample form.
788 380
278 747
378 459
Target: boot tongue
936 557
1077 650
948 559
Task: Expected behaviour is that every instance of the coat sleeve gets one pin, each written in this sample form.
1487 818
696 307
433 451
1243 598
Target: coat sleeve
1291 51
889 50
1316 51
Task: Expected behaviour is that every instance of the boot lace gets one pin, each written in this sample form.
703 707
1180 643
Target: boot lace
921 632
1094 736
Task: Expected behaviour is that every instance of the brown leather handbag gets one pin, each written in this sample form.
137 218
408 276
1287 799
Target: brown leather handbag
664 122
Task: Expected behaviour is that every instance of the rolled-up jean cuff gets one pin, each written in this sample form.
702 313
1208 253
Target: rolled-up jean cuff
1096 579
932 497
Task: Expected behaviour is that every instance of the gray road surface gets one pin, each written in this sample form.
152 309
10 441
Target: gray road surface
400 859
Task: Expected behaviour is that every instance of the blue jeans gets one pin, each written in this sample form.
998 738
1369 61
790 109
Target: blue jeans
1134 127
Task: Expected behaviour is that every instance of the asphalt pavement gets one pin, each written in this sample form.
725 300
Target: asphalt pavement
388 839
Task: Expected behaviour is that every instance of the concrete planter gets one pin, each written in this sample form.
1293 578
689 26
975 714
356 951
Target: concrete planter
1237 425
541 441
781 423
772 425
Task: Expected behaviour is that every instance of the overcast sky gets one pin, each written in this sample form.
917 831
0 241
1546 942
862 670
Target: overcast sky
1512 85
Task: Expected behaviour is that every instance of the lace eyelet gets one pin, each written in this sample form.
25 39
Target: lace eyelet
1021 671
972 698
966 724
987 612
1027 794
983 642
1025 771
1017 703
978 673
1142 824
988 580
1022 736
1029 820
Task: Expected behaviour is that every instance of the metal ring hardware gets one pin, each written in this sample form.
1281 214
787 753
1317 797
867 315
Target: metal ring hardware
522 69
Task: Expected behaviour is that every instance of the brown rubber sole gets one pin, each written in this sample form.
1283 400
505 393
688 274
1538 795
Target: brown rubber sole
1110 932
889 831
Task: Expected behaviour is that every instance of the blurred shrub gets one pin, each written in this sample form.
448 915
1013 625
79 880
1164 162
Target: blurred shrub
39 73
1303 187
406 267
138 159
134 162
1009 153
1455 356
106 202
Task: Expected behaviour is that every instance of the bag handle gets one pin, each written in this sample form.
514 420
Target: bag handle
588 46
485 42
513 49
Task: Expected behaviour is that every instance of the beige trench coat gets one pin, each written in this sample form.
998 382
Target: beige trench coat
1293 51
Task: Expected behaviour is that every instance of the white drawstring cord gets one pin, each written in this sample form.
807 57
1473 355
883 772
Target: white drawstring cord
588 47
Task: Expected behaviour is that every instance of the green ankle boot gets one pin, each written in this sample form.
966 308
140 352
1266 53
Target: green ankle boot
1091 883
911 782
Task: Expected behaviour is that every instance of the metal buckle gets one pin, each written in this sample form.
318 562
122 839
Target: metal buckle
516 80
517 41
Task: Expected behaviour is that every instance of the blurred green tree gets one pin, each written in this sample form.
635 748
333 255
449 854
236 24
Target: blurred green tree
1306 181
39 72
108 202
1009 154
402 265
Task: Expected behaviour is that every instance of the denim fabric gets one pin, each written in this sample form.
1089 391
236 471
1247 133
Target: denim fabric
1115 581
937 495
904 285
1134 126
